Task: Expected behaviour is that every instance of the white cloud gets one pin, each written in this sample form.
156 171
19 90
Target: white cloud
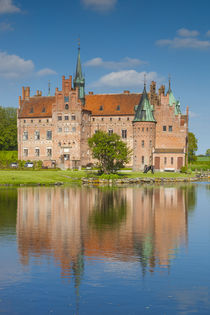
100 5
46 71
125 79
208 33
187 42
7 6
184 32
5 27
12 66
115 65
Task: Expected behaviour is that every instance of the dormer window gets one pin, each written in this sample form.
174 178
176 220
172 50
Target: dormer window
43 110
31 110
101 107
66 106
66 98
118 107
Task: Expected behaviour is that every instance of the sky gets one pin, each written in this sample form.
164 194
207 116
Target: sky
120 41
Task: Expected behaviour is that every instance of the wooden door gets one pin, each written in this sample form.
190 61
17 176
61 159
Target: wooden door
179 162
157 162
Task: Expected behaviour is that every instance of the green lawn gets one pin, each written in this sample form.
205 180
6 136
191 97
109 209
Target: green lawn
47 177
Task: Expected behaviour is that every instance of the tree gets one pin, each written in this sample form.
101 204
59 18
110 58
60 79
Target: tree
192 146
111 152
208 152
8 128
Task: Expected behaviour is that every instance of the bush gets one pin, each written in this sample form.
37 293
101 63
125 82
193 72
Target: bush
183 169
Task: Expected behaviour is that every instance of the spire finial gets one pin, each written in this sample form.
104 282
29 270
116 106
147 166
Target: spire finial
49 88
79 42
169 83
145 80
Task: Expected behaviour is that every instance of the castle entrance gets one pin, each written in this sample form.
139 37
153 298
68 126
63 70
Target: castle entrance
157 162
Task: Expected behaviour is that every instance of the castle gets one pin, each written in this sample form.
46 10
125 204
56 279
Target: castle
55 129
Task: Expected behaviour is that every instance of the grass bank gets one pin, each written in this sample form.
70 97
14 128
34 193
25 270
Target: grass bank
50 177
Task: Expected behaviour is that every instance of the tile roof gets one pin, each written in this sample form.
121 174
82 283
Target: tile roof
112 104
40 106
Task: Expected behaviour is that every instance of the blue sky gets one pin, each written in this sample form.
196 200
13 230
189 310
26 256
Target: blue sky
120 41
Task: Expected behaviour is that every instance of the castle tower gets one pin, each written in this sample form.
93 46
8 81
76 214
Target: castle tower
79 80
144 130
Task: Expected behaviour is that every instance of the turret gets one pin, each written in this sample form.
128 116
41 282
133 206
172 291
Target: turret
79 80
144 130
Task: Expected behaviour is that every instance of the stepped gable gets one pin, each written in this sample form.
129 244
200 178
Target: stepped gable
36 107
112 104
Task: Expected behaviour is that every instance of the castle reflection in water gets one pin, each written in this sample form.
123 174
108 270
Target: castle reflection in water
71 225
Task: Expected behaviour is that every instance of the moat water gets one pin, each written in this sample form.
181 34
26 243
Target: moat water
134 250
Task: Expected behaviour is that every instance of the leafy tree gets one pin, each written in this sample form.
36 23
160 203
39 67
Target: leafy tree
192 146
8 128
208 152
111 152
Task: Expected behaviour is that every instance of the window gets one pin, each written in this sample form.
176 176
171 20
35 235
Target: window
73 129
118 107
96 131
164 128
24 121
119 118
142 144
39 120
142 159
25 152
59 129
73 117
66 106
66 117
124 133
37 152
49 134
37 135
150 143
165 160
31 110
128 118
47 120
66 157
66 98
110 118
147 129
172 160
170 128
102 119
66 129
101 107
32 121
59 117
43 110
49 152
142 130
93 119
110 131
25 135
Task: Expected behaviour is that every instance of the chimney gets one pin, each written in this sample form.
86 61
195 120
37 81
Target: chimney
153 88
90 93
27 92
23 93
63 82
19 100
126 92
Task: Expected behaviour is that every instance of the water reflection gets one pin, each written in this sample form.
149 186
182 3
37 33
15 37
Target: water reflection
145 224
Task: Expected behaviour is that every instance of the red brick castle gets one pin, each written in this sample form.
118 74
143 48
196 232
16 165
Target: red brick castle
55 129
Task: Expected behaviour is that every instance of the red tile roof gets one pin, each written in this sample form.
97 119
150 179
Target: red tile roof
112 104
40 106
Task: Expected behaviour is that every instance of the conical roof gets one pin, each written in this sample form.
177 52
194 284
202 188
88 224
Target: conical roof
144 111
78 76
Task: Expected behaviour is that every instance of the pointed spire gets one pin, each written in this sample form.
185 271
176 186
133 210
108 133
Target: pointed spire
169 84
144 111
79 81
49 88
